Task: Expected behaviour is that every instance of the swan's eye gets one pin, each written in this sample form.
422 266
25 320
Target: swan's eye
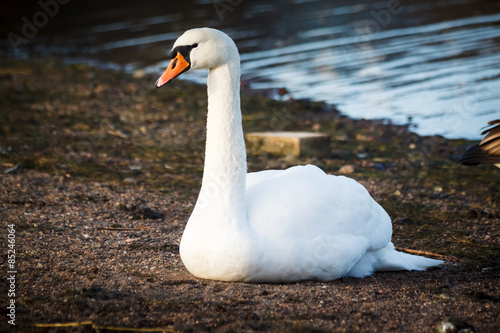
194 45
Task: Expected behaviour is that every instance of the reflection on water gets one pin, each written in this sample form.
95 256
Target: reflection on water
437 62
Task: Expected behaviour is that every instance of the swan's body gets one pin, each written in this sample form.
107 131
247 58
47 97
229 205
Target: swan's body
276 225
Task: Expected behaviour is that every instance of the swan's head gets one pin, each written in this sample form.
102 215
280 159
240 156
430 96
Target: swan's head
200 48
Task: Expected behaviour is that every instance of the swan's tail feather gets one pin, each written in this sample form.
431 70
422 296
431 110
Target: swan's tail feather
392 260
388 259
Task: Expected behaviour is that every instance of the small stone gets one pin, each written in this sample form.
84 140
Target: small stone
446 327
453 324
447 296
139 74
300 144
362 137
346 169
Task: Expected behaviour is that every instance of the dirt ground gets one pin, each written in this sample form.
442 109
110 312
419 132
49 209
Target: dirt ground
99 174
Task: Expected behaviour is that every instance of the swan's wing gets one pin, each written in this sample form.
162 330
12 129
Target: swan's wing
305 203
254 178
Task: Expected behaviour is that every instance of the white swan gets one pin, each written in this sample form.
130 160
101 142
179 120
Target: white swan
276 225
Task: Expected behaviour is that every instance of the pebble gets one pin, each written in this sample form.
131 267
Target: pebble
446 327
139 74
346 169
452 325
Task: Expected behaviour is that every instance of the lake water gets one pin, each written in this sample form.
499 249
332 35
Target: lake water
434 62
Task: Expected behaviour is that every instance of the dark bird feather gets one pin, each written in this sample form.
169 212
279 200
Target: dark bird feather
488 150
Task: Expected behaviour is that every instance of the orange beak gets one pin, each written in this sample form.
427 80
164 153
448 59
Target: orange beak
176 67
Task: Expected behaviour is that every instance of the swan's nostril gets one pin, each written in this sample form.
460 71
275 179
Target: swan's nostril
174 63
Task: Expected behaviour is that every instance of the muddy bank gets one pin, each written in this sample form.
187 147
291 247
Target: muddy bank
100 172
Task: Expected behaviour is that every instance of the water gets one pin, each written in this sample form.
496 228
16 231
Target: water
434 62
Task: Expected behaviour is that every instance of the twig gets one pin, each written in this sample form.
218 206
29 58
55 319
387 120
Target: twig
113 328
425 253
121 229
118 133
75 323
109 328
14 168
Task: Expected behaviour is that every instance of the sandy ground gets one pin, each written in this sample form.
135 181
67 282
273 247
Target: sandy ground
100 173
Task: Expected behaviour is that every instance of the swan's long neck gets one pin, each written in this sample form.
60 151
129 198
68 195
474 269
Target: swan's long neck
224 174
